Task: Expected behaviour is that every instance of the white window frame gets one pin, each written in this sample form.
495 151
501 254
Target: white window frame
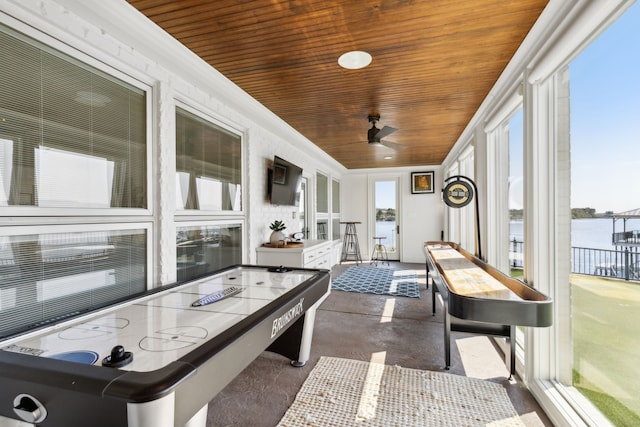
55 228
48 42
467 216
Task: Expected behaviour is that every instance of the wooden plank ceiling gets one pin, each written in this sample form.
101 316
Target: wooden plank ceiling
434 61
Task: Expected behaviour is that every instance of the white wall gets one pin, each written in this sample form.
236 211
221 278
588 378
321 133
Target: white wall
423 217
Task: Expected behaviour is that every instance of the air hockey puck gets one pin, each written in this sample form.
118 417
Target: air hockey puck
118 357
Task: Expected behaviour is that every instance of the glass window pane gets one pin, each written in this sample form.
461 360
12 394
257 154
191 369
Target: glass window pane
516 200
208 165
43 276
605 165
71 136
335 229
205 249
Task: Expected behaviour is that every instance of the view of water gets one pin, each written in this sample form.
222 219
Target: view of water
586 233
387 229
592 233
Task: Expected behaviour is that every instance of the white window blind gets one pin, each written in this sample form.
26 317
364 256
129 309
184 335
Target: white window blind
208 165
47 276
71 136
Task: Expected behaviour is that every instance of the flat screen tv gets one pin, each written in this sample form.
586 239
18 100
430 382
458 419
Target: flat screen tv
285 181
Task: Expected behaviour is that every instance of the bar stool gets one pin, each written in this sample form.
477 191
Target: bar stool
379 252
350 245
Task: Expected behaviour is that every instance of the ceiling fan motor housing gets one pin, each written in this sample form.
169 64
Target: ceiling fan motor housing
371 134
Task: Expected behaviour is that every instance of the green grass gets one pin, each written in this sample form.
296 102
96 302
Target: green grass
606 345
517 273
617 413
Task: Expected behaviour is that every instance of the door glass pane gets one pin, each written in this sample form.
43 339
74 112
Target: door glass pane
322 193
303 226
335 196
605 165
385 215
335 229
322 229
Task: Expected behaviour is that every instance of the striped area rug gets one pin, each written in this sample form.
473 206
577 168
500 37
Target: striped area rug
379 281
352 393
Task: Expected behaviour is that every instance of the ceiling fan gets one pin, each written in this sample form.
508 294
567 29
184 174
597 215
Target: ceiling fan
375 135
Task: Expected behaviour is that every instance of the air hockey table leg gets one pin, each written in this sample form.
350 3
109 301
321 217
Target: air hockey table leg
161 413
199 419
307 336
295 343
157 413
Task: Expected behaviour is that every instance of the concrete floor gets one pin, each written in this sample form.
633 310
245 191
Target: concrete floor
391 330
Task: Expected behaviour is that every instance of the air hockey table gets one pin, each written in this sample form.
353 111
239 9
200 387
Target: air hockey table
158 359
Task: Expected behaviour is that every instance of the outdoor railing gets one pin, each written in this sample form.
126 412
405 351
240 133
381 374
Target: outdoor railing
623 264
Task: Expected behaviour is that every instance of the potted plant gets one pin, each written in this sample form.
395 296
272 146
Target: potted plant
277 235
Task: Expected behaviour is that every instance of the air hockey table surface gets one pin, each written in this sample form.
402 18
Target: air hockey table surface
158 359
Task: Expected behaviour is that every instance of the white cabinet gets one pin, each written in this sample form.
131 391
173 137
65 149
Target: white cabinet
312 254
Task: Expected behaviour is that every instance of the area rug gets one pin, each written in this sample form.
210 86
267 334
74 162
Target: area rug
379 281
345 393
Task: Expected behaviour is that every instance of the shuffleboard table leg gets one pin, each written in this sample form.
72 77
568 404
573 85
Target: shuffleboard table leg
512 355
447 340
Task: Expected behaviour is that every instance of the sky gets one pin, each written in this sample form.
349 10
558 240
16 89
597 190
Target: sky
605 120
385 194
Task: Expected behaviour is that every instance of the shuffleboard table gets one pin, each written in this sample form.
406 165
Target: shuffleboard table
478 298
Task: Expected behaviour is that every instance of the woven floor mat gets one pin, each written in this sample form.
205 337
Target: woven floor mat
344 392
379 281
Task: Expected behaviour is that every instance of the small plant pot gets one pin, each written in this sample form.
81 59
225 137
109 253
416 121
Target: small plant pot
276 238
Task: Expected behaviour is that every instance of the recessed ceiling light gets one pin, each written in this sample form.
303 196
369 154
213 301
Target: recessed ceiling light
388 157
354 60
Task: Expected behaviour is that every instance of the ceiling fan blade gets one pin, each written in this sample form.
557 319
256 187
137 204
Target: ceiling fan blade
393 145
385 131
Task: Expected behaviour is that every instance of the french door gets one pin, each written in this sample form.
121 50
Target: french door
385 215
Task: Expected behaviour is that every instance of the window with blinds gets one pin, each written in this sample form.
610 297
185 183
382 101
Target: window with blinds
49 276
71 136
208 165
204 249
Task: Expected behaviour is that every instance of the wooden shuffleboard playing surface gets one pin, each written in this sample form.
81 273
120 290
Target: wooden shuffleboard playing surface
466 278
